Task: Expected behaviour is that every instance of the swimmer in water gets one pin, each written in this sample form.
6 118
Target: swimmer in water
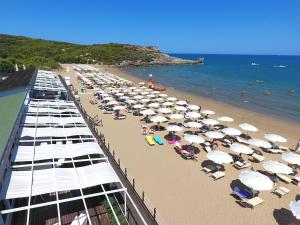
243 93
291 92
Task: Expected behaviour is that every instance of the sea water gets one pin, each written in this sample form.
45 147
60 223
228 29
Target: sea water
267 84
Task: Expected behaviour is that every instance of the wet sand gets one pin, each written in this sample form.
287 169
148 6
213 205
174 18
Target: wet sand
180 191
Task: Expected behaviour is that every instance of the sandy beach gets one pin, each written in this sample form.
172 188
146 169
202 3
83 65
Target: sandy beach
181 192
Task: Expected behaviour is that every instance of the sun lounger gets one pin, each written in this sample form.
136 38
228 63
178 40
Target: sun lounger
274 151
281 191
251 202
296 180
207 148
257 157
284 178
150 140
206 170
227 142
217 175
241 165
242 140
284 148
80 220
158 140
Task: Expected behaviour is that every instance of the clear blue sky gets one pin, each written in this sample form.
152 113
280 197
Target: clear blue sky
191 26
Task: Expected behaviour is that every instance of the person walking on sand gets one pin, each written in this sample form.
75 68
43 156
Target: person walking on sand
297 149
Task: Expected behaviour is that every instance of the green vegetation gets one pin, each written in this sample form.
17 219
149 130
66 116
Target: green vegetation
117 209
48 54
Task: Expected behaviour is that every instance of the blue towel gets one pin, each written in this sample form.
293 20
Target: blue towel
241 193
158 140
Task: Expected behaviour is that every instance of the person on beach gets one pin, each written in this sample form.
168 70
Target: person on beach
297 149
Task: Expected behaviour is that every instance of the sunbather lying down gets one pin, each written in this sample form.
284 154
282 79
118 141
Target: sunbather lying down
185 151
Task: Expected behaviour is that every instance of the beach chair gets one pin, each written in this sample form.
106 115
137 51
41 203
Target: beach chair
217 175
242 140
296 180
80 220
258 158
274 151
207 148
283 148
150 140
253 202
284 178
281 191
206 169
241 165
158 140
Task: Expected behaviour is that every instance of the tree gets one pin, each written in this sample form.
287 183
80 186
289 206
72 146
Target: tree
6 66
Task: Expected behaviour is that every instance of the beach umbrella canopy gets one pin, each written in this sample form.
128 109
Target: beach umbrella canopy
154 105
291 157
132 93
138 97
172 99
131 101
207 112
214 134
194 139
219 157
225 119
194 124
193 107
159 99
210 122
248 127
168 103
174 128
256 180
112 103
141 83
165 110
119 107
193 115
138 106
158 119
148 112
181 102
277 167
108 98
163 95
155 92
119 94
145 100
151 96
176 116
295 208
124 97
231 131
259 143
180 108
144 93
275 138
241 149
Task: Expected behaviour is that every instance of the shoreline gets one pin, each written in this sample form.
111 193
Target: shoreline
284 127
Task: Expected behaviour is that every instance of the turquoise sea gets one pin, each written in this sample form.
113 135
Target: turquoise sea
267 84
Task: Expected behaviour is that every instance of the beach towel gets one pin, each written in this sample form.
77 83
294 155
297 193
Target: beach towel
150 140
158 140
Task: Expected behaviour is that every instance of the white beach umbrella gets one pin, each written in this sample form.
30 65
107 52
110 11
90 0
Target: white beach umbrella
165 110
176 116
194 124
104 94
214 134
225 119
231 131
144 93
210 122
275 138
172 99
149 90
163 95
248 127
131 101
148 112
132 93
277 167
124 97
219 157
159 99
143 87
295 208
259 143
181 102
151 96
168 103
193 107
119 107
194 139
138 106
207 112
241 149
153 105
174 128
141 83
145 100
193 115
132 88
138 97
119 94
291 157
256 180
108 98
158 119
138 90
155 92
112 103
180 108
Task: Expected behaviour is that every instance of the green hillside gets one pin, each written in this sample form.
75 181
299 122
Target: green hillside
48 54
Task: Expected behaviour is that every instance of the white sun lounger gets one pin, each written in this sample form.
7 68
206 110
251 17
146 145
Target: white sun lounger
206 170
281 191
242 140
239 165
284 178
207 148
80 220
251 202
258 157
217 175
274 151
